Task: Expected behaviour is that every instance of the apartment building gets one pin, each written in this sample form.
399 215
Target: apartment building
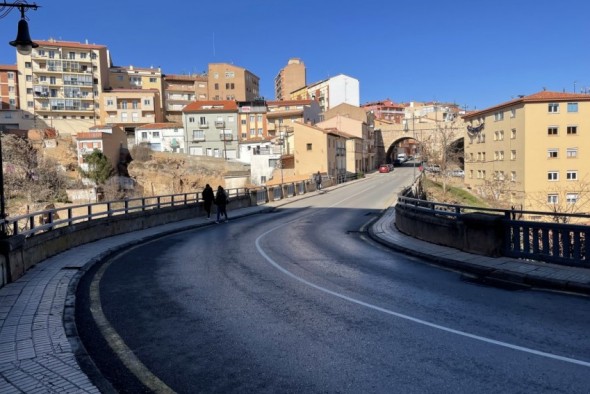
331 92
252 120
10 116
180 91
229 82
60 83
130 108
530 152
290 78
211 128
132 77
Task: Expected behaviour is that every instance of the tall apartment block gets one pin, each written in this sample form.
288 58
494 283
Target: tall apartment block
60 84
229 82
181 90
291 77
530 152
10 115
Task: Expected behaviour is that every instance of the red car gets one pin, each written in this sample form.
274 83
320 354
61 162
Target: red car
384 168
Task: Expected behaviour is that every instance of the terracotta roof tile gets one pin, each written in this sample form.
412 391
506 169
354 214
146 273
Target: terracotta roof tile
155 126
539 97
203 106
68 44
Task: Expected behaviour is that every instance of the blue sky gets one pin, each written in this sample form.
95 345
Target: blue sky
474 53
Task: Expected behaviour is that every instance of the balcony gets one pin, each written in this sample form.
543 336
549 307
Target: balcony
204 125
226 137
220 124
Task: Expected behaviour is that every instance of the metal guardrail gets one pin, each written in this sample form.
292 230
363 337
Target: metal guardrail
41 221
553 240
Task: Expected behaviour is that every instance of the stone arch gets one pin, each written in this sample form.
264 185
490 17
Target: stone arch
409 144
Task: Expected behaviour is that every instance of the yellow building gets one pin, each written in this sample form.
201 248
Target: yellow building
316 149
137 78
180 91
530 152
130 108
60 83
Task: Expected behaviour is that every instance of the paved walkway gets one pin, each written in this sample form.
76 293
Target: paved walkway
38 341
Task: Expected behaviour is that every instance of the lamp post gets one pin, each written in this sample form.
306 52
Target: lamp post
23 45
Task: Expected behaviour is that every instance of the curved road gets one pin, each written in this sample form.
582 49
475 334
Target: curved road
300 300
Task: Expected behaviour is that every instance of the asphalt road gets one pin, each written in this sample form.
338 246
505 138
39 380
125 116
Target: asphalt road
300 300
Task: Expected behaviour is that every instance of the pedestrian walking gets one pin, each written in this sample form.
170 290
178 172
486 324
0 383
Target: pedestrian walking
221 201
208 198
318 181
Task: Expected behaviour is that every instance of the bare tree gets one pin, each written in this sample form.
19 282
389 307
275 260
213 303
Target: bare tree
438 148
569 199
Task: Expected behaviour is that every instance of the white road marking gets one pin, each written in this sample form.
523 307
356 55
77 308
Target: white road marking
401 315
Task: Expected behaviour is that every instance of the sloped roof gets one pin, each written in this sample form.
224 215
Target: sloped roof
156 126
539 97
212 106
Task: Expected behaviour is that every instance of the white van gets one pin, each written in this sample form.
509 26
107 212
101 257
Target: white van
402 157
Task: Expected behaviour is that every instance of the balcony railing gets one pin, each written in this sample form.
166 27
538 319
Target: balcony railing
219 124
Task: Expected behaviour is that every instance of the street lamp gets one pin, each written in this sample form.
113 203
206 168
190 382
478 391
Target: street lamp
24 45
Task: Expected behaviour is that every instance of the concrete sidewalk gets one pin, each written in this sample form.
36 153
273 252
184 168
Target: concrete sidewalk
39 350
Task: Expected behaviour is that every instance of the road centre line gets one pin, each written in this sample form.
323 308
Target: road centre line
401 315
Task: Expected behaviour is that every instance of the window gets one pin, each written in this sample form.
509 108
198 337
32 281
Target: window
571 175
135 104
229 74
501 135
571 153
244 121
308 146
552 153
513 134
83 55
110 102
71 55
513 176
572 107
553 108
30 104
198 135
144 135
552 130
260 131
512 155
572 130
124 104
27 64
153 79
202 120
147 102
259 118
10 75
29 78
252 118
571 198
512 113
191 119
498 116
553 176
471 157
156 134
252 132
216 86
552 199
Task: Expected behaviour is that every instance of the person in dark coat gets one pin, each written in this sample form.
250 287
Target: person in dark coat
221 201
208 198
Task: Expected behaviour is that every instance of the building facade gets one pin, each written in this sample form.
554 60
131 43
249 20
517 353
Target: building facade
137 78
291 78
60 84
107 139
131 108
162 137
11 117
211 128
530 152
181 90
386 110
331 92
229 82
